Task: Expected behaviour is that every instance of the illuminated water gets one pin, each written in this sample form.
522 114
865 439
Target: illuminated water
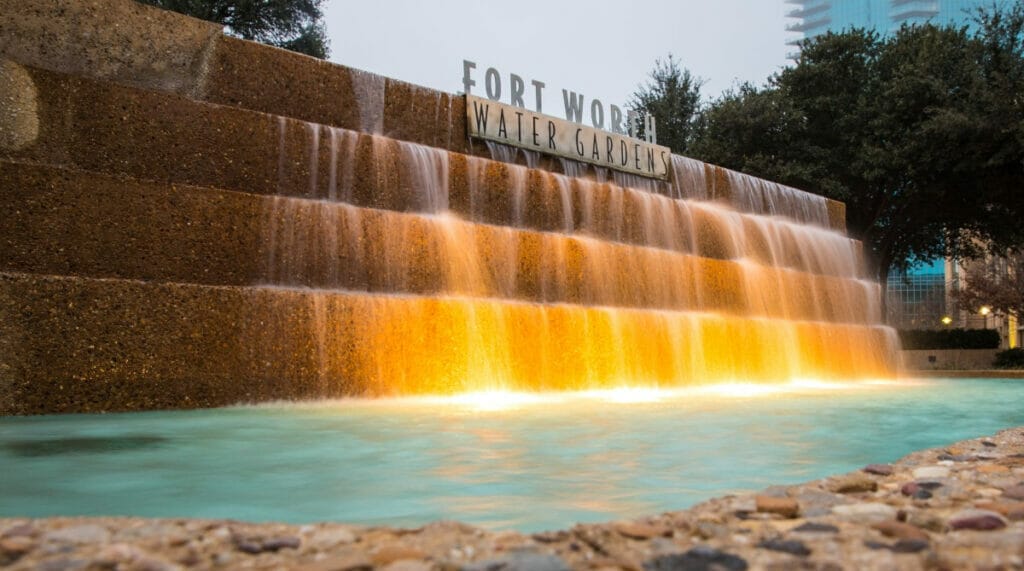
537 462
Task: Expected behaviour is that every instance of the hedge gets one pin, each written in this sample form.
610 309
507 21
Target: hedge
949 338
1010 359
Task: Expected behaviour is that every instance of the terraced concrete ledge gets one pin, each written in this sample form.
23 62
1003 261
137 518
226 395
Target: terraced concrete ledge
956 507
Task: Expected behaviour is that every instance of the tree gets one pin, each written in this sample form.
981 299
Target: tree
672 96
996 283
290 24
919 133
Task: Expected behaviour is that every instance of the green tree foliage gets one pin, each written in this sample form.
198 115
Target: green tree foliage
997 283
1010 359
672 96
290 24
920 133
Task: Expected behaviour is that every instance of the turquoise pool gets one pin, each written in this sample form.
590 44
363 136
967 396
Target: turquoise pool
502 461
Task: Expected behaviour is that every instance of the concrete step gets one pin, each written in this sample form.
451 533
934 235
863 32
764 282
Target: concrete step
130 44
124 42
66 222
70 344
149 135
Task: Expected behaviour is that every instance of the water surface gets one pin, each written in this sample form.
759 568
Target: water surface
506 462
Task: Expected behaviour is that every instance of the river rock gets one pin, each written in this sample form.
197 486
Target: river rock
791 546
701 558
900 530
992 469
867 513
853 484
637 530
85 533
815 527
408 565
1015 492
786 507
13 548
980 520
818 503
910 545
1011 510
353 562
931 473
520 561
329 537
391 553
879 469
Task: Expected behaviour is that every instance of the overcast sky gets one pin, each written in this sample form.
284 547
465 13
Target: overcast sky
600 48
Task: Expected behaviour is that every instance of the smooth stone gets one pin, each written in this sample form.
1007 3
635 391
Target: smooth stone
791 546
551 536
1010 510
992 469
408 565
853 484
956 457
520 561
815 527
786 507
640 530
919 490
910 545
86 533
250 547
63 565
979 520
818 503
278 543
392 553
931 472
900 530
865 513
701 558
339 563
17 545
329 537
879 469
21 529
710 529
1015 492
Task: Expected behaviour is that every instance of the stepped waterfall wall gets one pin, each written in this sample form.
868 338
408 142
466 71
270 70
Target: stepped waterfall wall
193 220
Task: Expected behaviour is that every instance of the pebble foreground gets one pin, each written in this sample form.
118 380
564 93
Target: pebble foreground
958 507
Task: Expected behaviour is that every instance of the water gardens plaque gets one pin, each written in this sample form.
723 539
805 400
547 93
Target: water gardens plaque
492 120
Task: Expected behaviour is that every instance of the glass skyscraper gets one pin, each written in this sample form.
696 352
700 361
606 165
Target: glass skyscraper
808 18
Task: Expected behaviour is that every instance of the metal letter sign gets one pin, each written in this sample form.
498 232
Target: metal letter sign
493 121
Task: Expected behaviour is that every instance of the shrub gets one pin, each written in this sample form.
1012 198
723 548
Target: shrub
1010 359
950 339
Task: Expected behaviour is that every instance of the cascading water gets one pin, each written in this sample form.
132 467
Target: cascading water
488 275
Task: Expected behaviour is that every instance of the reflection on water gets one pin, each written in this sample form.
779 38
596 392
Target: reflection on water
54 446
527 462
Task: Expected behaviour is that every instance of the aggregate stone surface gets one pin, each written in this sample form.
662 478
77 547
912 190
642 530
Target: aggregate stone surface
825 524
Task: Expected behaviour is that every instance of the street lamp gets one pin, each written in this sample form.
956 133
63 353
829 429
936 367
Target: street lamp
985 311
946 320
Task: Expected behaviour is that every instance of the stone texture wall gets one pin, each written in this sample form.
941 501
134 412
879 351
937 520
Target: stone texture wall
948 359
144 158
